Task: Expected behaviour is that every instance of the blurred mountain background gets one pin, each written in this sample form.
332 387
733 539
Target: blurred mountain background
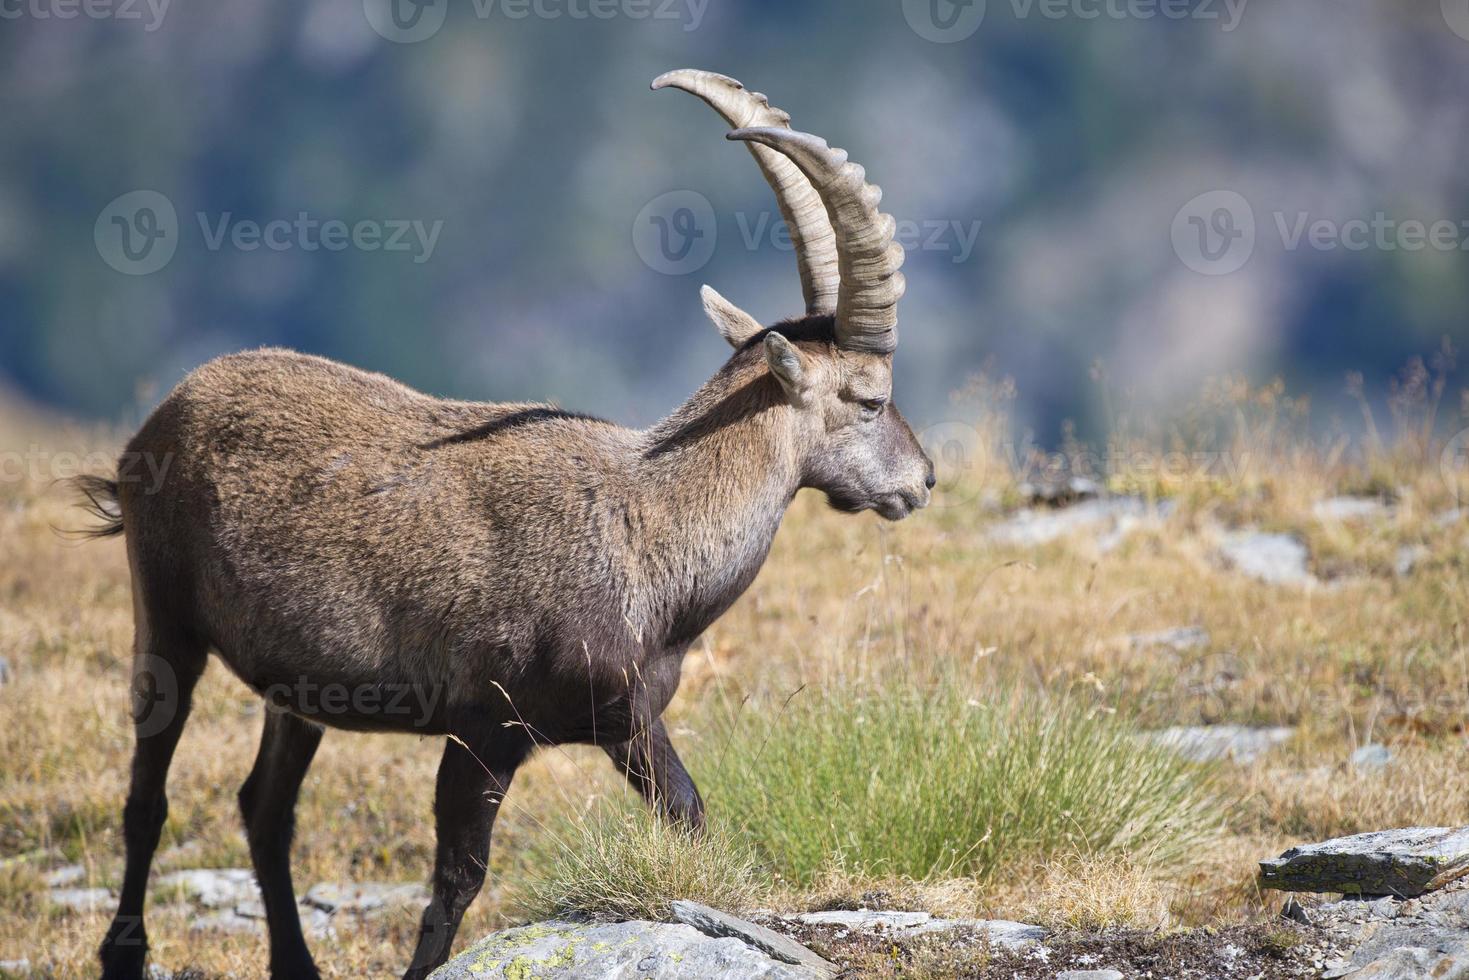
1042 155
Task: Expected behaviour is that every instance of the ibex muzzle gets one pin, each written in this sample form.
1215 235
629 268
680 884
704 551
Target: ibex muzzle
508 575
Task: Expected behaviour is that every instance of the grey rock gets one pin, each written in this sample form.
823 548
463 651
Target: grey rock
364 897
1295 912
1275 559
81 899
1089 975
1350 509
1404 862
15 968
1448 518
712 922
66 875
1371 757
1409 557
249 916
1178 639
1415 963
5 674
594 950
1440 930
228 920
864 920
1210 743
997 931
214 887
1112 516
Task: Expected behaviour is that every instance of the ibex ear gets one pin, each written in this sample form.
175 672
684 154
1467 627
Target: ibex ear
733 323
789 366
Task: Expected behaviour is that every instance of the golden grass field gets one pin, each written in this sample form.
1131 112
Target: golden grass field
1363 655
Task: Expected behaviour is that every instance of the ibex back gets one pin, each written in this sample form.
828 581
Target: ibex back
509 575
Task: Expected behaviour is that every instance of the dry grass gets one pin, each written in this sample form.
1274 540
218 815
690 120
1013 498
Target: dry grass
620 865
1364 655
1092 892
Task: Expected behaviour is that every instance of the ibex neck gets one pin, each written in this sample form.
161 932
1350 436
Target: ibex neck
718 476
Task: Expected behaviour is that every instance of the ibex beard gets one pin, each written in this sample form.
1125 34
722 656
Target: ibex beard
535 575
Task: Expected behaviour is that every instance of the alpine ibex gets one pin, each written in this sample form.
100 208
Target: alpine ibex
535 575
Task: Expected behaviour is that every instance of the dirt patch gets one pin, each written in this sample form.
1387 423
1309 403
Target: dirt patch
1267 951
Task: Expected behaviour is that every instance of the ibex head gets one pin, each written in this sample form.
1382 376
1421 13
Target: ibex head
835 363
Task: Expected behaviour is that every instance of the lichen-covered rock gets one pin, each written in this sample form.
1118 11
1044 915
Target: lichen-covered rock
594 950
1404 862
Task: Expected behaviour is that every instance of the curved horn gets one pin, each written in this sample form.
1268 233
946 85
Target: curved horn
871 285
802 208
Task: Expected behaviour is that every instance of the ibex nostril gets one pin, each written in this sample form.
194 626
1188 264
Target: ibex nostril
930 481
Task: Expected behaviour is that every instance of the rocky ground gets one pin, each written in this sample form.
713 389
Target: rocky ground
1422 932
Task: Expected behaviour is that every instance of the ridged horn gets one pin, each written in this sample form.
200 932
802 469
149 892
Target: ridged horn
867 254
800 205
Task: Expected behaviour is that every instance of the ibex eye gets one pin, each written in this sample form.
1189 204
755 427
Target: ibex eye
873 405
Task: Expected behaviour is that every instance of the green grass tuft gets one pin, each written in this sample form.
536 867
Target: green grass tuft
632 865
925 786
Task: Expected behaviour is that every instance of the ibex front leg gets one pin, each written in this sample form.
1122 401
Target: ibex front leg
655 770
470 786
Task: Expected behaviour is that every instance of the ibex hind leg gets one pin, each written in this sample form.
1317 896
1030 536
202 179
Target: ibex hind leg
167 662
268 804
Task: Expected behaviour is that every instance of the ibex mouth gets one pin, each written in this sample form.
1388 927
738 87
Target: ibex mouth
896 506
